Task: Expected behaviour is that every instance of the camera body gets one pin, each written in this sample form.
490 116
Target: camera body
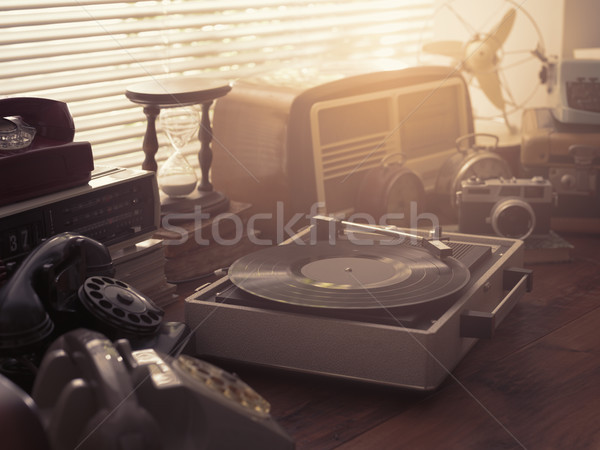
514 208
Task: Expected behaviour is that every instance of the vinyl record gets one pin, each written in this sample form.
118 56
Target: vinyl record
347 275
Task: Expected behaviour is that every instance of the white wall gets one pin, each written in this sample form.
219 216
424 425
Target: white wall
581 28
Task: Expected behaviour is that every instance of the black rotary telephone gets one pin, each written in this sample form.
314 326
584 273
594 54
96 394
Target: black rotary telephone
104 372
93 394
66 283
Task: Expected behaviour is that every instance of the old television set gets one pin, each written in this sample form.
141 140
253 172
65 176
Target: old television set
297 142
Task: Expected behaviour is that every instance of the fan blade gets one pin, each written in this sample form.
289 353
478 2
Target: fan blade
453 49
490 85
499 35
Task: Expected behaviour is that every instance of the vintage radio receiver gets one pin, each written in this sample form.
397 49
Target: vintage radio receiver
290 142
116 206
574 88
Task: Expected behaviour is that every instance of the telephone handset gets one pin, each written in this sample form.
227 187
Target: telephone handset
86 397
50 118
66 283
93 394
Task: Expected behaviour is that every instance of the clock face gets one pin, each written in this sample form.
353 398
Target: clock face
485 167
462 166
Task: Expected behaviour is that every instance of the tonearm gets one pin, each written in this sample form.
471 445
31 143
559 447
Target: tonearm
433 244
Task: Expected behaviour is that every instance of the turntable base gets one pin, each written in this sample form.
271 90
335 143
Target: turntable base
336 331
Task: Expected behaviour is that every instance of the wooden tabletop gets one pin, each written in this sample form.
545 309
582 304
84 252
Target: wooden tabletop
535 385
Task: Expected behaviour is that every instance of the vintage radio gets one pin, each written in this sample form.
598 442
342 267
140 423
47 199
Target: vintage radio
286 142
117 207
575 91
568 155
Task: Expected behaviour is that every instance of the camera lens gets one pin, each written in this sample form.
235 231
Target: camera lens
513 218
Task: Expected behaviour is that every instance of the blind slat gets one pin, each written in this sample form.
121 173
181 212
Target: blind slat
87 53
97 59
232 22
124 41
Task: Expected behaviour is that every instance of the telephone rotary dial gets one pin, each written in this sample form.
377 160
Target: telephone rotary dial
66 283
86 362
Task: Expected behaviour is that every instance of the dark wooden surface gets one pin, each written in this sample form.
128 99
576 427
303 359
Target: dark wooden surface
535 385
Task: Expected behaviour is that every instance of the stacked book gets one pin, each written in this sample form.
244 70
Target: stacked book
143 267
547 248
197 248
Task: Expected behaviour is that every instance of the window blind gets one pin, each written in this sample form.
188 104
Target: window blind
87 52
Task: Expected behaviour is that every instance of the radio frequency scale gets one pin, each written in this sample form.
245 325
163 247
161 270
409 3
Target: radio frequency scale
117 207
359 302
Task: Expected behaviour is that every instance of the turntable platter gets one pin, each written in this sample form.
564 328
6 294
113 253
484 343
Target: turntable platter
349 276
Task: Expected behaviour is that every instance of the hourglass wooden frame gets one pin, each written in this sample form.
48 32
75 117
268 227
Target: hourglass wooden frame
157 94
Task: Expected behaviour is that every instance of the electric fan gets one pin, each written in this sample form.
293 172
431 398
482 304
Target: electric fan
498 48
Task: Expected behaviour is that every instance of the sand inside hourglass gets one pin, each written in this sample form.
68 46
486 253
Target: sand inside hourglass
176 177
174 186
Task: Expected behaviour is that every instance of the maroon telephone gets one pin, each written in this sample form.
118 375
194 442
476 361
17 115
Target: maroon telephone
37 152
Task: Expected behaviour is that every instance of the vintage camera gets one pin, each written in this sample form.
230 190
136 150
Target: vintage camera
514 208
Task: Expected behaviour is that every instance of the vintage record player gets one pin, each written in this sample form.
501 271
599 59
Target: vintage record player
361 302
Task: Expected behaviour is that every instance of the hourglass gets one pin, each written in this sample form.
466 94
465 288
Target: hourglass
158 98
176 177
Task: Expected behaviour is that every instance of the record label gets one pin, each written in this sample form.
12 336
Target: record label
354 272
